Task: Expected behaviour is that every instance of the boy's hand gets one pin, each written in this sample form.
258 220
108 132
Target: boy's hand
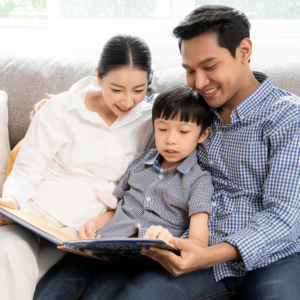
88 230
160 233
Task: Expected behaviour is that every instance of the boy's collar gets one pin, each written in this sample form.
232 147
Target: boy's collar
184 167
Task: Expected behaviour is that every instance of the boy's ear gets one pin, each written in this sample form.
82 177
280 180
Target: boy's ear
98 77
204 135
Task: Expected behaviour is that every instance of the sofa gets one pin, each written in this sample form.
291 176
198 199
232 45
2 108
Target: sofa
25 80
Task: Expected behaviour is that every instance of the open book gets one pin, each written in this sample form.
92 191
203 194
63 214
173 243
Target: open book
102 249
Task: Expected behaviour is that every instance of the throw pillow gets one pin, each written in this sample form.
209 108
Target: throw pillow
4 141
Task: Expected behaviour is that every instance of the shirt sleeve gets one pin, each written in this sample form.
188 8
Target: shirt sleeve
201 193
43 139
276 227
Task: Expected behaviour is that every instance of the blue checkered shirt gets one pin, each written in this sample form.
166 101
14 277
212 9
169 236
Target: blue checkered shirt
255 169
151 196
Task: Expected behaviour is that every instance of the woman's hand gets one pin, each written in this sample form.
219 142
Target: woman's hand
88 230
11 202
37 106
160 233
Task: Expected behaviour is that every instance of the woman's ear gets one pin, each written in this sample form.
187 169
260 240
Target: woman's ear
204 135
98 77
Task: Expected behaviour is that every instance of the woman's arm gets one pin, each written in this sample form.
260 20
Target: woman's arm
44 138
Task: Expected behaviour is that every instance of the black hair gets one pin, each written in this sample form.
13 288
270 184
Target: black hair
184 102
230 25
124 50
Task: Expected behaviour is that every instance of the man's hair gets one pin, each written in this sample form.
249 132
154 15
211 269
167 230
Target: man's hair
184 103
230 25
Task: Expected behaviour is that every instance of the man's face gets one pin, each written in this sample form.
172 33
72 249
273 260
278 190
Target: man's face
211 70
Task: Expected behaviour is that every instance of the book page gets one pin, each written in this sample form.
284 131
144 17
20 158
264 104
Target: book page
37 222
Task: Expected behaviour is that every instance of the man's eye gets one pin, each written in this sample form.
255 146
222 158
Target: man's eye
210 68
190 72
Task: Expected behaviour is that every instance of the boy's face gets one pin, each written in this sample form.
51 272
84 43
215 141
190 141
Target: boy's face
175 140
211 70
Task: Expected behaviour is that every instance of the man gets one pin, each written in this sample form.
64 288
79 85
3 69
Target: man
253 158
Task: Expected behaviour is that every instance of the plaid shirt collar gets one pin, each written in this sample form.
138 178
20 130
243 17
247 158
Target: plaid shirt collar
245 108
184 167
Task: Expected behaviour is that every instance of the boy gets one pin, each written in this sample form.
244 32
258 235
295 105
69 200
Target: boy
164 191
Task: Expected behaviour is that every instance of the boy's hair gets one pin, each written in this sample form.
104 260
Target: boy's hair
230 25
181 101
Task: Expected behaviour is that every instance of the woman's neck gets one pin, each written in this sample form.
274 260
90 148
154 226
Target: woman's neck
94 102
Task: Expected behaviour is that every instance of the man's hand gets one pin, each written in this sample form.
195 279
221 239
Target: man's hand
37 106
160 233
88 230
192 257
11 202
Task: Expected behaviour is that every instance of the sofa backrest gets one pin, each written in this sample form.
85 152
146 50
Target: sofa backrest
26 79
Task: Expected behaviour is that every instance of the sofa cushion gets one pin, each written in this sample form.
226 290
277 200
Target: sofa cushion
4 142
284 75
26 79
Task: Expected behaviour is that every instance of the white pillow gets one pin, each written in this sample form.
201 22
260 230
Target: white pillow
4 141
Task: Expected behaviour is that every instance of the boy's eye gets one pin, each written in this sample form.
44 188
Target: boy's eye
160 129
139 91
184 131
116 91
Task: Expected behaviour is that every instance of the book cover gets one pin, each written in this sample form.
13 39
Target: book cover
103 249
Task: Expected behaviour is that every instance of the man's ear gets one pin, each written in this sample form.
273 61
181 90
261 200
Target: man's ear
204 135
98 77
244 50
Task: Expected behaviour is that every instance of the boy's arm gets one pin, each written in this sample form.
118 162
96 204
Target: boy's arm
88 229
198 232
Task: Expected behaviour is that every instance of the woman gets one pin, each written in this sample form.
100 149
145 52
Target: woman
78 145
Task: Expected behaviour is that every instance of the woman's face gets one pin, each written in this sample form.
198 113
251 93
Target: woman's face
123 89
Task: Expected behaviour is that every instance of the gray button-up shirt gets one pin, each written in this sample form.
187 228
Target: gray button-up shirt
151 196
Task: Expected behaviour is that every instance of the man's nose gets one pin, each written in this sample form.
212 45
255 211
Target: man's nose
201 80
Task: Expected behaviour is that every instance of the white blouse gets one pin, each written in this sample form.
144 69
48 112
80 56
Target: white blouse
70 159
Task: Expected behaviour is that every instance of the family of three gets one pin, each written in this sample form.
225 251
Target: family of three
222 184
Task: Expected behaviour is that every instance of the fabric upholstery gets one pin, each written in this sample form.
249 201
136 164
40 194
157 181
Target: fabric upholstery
12 158
26 79
284 75
4 142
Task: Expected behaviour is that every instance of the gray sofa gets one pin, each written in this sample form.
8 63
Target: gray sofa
26 79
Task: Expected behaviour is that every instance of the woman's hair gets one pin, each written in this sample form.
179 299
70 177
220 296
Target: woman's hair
124 50
181 101
230 25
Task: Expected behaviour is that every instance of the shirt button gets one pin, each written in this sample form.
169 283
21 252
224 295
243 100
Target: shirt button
138 225
148 199
211 162
161 176
213 204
